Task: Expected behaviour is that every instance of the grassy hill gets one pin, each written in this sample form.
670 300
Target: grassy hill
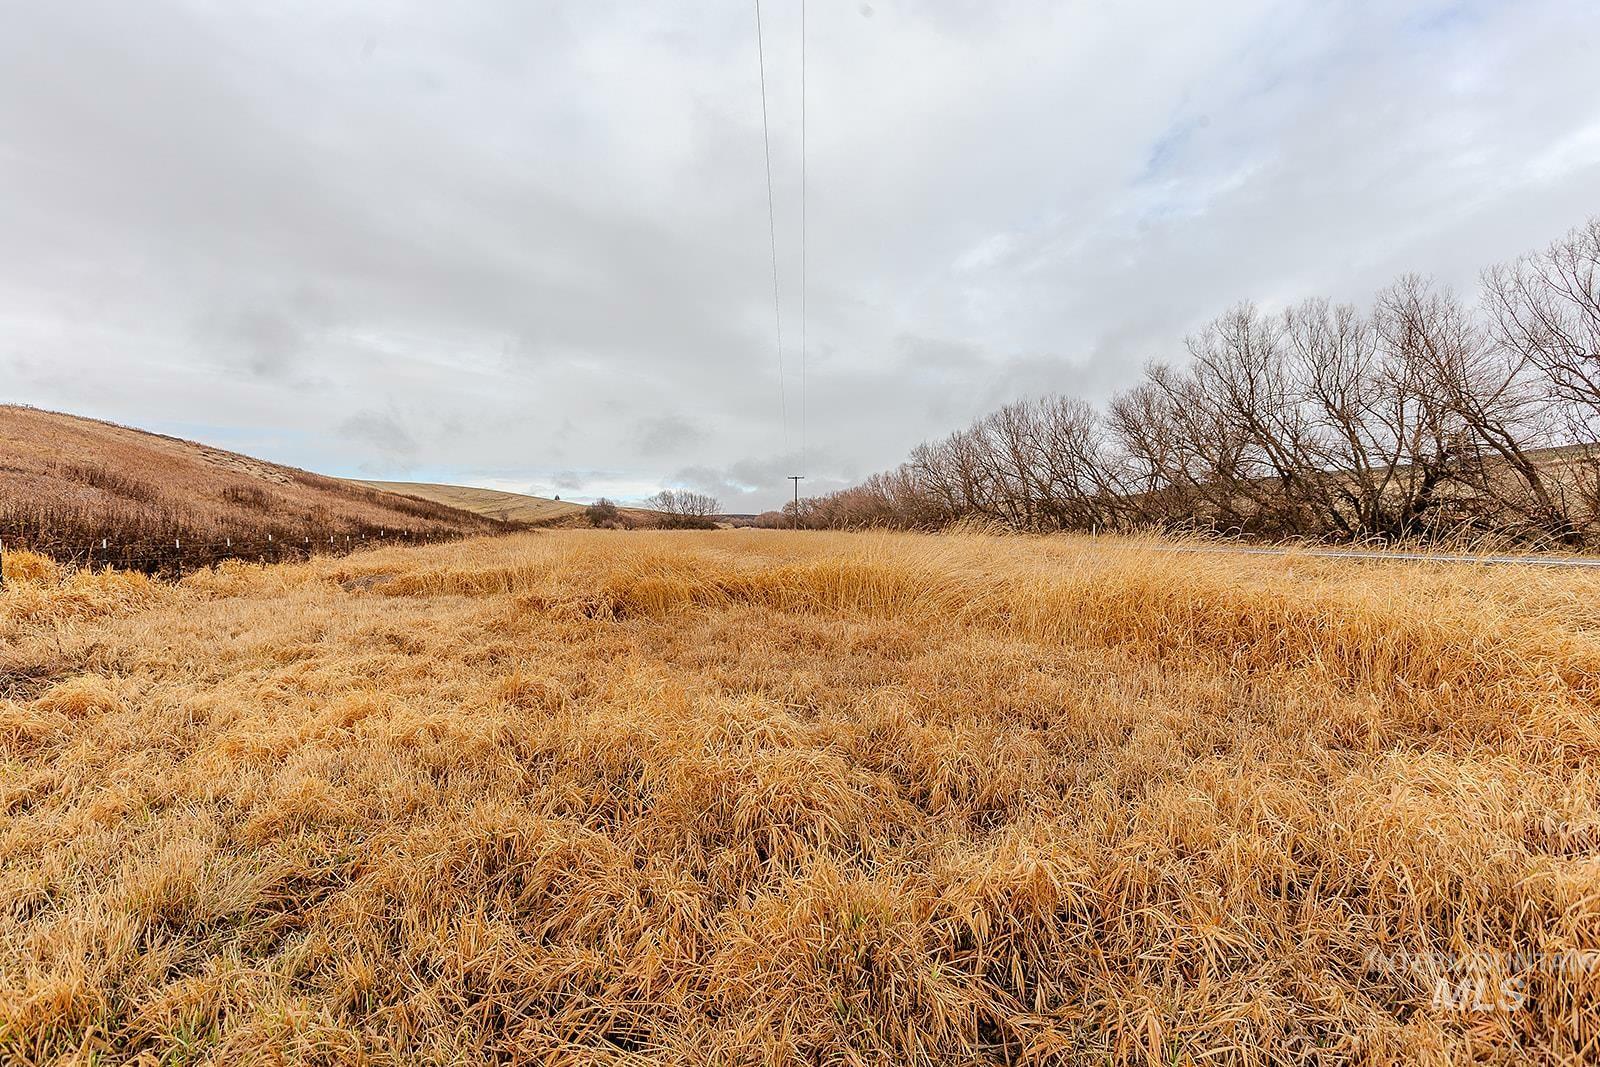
507 507
490 503
67 484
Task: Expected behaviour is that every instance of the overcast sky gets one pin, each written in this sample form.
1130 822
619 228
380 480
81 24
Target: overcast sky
525 245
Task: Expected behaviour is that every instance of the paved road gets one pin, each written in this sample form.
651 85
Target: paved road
1415 557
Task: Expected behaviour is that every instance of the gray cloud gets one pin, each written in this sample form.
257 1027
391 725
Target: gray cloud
522 240
668 434
267 337
567 480
384 433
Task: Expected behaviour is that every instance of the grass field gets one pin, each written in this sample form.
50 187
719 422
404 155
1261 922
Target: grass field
766 797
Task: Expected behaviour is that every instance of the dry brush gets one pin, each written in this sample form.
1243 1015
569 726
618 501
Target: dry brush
758 797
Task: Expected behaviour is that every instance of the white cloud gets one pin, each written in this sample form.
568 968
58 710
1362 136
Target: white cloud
528 243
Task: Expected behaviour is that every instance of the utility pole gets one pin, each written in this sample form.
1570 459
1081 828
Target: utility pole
795 478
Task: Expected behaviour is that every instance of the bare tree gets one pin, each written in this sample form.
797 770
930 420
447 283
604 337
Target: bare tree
1489 402
1378 439
685 508
1546 308
1148 465
1072 473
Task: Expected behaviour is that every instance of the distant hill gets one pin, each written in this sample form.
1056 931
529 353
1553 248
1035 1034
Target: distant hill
490 503
507 507
68 483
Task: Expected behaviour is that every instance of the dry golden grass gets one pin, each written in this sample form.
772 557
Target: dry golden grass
759 797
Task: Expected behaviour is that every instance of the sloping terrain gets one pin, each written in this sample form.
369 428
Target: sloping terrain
490 503
90 491
509 507
740 798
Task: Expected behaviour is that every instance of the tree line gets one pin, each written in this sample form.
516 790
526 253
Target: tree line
670 509
1421 416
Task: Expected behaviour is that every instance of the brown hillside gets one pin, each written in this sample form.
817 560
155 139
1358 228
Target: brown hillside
67 484
491 503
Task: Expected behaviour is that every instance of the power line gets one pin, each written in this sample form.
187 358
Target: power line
803 436
772 229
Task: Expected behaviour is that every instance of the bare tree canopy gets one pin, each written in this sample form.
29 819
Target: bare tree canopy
1421 417
685 508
